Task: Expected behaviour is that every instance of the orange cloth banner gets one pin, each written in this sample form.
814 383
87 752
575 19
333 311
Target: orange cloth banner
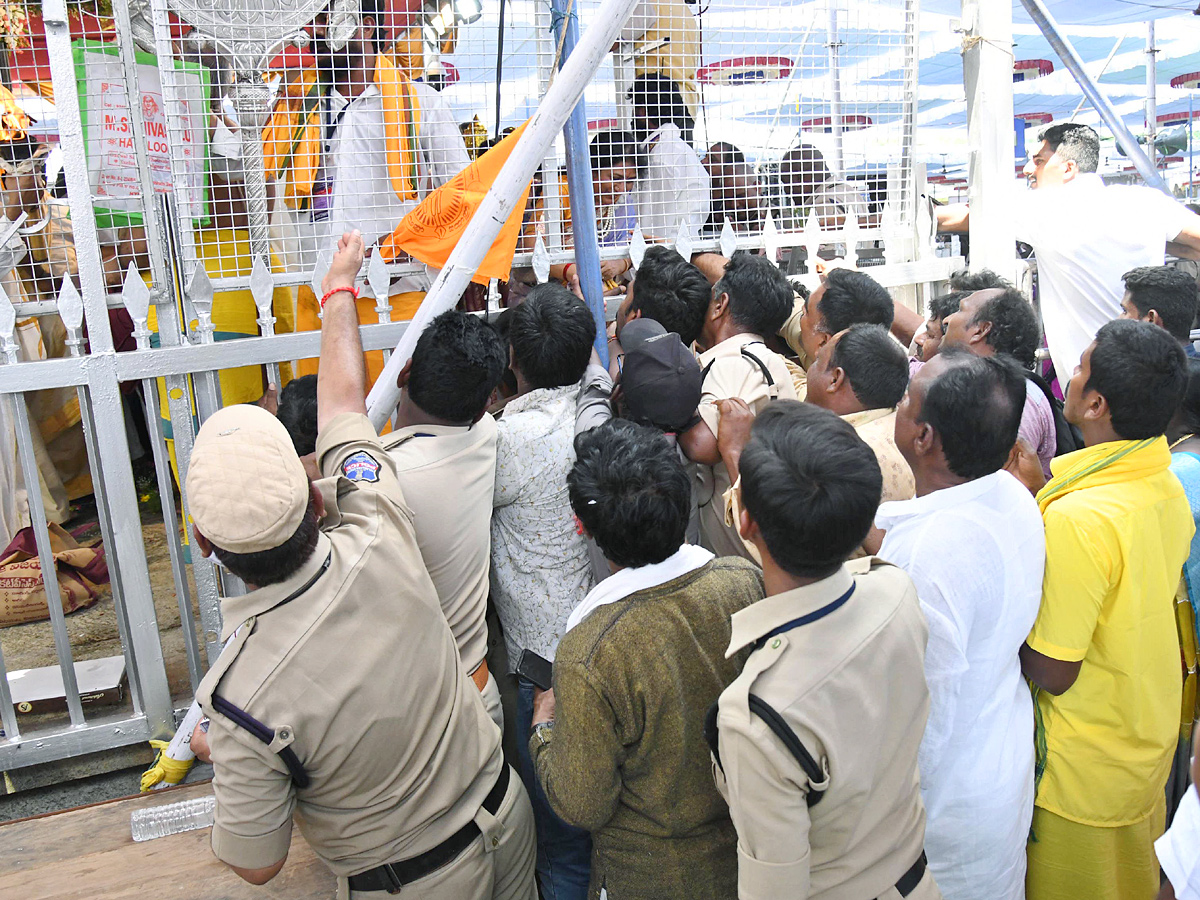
431 230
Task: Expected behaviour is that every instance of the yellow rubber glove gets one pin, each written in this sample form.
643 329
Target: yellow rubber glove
165 770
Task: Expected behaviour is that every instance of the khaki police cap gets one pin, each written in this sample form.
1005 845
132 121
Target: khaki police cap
247 489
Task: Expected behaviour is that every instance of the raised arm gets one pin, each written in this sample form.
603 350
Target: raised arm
954 219
1187 243
342 375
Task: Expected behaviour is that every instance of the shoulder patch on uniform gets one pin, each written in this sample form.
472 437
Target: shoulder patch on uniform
361 467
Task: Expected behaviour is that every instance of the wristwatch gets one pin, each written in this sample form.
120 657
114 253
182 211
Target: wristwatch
543 731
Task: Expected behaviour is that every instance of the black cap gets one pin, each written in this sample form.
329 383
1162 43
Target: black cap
660 381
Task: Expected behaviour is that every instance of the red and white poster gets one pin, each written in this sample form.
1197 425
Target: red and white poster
175 139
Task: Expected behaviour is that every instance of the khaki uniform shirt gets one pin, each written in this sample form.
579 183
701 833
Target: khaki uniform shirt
728 373
358 673
448 474
877 428
851 685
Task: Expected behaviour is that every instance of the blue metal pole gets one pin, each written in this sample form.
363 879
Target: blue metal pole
579 185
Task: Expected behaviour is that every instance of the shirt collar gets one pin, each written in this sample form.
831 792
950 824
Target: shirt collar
539 397
754 621
1109 463
730 347
867 416
236 610
895 511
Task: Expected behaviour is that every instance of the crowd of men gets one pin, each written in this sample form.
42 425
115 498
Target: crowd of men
787 611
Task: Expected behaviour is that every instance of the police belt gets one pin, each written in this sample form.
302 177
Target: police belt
391 877
909 880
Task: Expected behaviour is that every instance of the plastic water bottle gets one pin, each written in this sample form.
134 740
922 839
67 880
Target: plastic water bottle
173 818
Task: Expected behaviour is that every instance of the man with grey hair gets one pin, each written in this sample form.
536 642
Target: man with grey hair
1086 236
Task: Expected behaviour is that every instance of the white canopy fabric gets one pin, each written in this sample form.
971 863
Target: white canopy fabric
766 118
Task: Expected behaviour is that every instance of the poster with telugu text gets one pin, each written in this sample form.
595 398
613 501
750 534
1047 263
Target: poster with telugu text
176 141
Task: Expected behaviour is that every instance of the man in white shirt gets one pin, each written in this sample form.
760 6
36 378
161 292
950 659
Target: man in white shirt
1086 236
541 569
444 448
353 187
973 544
675 188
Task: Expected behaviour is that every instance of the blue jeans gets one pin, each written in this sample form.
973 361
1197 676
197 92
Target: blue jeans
564 852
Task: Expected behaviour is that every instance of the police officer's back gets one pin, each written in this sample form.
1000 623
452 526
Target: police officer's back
342 697
816 741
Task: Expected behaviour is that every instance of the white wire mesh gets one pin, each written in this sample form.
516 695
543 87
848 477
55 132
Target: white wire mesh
759 81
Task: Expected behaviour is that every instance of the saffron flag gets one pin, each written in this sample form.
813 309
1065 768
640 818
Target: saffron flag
431 230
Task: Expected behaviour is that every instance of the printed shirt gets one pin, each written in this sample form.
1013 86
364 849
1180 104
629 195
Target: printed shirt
540 565
1118 530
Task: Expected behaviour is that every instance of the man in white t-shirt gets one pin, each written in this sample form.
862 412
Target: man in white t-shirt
1086 236
674 188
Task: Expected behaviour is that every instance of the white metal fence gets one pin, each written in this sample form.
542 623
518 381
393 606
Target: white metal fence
202 208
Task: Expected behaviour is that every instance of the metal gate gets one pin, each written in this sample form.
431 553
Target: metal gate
139 186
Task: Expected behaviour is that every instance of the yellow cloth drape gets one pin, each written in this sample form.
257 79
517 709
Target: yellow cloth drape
292 138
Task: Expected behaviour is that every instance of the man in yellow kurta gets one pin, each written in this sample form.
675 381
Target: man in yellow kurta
1103 657
354 145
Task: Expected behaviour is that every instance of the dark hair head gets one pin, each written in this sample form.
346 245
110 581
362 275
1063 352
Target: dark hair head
279 563
551 335
1074 142
723 153
975 406
610 149
760 296
672 292
458 361
377 11
1189 409
875 365
851 298
629 489
1015 330
969 282
946 304
812 486
298 413
661 99
1169 291
1141 372
802 165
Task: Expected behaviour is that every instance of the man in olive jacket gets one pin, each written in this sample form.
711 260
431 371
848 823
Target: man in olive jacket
618 744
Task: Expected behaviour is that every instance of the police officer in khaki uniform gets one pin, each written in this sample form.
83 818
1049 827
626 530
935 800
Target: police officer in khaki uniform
444 449
815 743
342 697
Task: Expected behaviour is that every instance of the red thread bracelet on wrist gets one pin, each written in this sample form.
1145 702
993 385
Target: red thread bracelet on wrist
567 271
328 294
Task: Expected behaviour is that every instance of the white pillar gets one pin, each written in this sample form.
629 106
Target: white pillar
987 77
